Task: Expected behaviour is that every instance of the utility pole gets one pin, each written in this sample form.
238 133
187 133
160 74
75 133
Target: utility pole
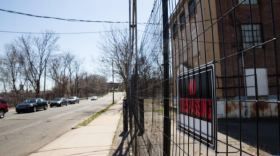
86 86
113 79
76 82
130 53
45 78
136 54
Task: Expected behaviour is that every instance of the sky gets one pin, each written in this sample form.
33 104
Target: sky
84 46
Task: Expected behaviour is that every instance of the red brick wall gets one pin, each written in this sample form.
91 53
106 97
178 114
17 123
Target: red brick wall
264 58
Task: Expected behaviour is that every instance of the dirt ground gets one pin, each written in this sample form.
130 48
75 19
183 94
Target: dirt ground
150 143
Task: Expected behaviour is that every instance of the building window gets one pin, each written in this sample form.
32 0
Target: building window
182 20
248 33
192 8
247 1
175 29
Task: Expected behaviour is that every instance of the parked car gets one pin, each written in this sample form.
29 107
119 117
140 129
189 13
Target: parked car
4 107
94 98
32 105
59 102
73 100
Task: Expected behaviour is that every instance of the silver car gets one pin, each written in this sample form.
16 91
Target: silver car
94 98
73 100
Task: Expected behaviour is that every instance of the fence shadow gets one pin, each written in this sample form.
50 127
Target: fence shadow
121 147
268 132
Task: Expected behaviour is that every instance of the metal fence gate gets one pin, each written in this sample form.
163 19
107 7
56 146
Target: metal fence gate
204 80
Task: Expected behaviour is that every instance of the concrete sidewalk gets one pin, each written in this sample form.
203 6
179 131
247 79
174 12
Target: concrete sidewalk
94 139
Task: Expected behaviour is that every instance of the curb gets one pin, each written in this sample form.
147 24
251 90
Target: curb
76 127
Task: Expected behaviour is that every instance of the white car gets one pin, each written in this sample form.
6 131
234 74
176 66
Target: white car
94 98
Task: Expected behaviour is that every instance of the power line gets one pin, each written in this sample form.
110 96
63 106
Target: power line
62 19
77 33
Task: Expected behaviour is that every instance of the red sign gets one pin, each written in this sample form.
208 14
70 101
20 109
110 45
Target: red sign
196 107
196 94
192 87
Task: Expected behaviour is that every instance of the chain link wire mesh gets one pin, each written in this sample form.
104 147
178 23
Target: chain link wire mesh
223 79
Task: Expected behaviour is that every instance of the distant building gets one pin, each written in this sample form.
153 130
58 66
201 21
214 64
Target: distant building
115 86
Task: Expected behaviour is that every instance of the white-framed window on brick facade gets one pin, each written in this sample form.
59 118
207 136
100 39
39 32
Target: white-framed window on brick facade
192 8
247 1
248 33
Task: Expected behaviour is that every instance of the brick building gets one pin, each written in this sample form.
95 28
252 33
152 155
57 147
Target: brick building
234 38
264 55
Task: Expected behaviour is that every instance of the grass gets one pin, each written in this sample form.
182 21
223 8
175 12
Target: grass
87 121
117 127
160 111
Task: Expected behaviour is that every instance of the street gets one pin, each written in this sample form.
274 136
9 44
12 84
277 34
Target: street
22 134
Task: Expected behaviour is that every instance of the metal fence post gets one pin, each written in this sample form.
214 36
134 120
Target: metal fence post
141 112
125 117
167 125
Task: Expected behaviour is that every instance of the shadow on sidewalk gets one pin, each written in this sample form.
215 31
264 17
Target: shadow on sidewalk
123 146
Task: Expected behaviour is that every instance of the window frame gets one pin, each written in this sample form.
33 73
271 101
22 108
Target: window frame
192 11
257 39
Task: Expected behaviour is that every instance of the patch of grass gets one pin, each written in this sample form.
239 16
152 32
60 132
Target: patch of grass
161 111
117 127
87 121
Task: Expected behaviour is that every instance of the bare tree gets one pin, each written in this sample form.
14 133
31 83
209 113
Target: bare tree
70 59
97 84
35 53
57 72
91 84
4 75
115 47
150 68
11 67
61 71
78 74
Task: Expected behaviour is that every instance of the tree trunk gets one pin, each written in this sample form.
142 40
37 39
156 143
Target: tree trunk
38 88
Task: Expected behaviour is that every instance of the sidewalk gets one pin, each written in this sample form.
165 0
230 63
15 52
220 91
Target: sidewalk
94 139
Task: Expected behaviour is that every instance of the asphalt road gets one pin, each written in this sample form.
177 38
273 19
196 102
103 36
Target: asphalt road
23 134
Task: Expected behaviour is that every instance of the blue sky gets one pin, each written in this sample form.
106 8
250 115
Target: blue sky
86 45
